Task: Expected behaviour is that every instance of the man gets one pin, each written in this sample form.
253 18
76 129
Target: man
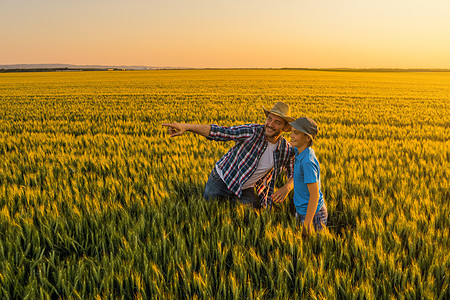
254 163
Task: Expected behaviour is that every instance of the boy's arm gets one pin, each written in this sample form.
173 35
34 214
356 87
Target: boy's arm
177 129
313 189
282 192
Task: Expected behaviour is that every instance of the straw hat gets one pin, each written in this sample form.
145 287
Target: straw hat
282 110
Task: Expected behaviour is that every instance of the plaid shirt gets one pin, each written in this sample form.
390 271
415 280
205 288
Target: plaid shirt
241 161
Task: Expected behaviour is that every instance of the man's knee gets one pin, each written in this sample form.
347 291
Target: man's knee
207 194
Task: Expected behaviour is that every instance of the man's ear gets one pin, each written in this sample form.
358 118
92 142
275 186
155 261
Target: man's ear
287 128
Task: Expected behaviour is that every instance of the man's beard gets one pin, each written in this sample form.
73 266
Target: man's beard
275 133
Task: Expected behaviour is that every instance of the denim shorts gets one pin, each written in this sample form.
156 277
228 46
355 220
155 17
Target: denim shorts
319 219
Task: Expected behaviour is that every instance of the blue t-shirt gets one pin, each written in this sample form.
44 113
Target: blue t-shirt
306 170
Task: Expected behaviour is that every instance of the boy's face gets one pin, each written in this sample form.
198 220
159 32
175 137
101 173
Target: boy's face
299 139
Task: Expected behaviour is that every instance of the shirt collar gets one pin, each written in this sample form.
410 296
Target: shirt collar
278 143
301 155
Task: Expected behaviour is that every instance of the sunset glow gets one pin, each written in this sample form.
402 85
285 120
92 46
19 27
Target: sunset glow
200 33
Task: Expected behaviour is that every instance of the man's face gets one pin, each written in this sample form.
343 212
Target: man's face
299 139
274 126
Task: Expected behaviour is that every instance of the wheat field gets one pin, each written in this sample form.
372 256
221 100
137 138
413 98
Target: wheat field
97 201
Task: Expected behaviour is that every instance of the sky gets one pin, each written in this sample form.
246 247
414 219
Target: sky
227 34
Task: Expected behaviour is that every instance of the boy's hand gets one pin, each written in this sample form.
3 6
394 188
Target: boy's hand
307 229
280 194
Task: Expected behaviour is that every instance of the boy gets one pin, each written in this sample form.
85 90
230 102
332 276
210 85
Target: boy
308 199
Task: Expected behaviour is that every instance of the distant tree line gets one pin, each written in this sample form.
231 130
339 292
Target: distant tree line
56 70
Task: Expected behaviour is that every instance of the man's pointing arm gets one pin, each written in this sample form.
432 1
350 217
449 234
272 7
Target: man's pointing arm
177 129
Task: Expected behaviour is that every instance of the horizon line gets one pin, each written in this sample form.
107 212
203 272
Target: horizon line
146 67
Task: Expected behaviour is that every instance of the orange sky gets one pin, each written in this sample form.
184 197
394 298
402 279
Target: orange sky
235 33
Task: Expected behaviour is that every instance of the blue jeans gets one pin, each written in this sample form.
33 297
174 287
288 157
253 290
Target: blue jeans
217 189
319 219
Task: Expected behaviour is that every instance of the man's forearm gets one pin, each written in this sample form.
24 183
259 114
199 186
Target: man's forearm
200 129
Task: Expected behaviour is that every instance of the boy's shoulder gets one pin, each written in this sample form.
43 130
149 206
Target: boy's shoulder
311 152
310 157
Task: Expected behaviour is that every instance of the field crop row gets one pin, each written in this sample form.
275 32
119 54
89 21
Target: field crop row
96 201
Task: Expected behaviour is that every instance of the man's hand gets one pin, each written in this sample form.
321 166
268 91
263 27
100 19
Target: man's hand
176 129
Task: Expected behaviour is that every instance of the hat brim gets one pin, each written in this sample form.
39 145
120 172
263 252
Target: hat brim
287 119
301 129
